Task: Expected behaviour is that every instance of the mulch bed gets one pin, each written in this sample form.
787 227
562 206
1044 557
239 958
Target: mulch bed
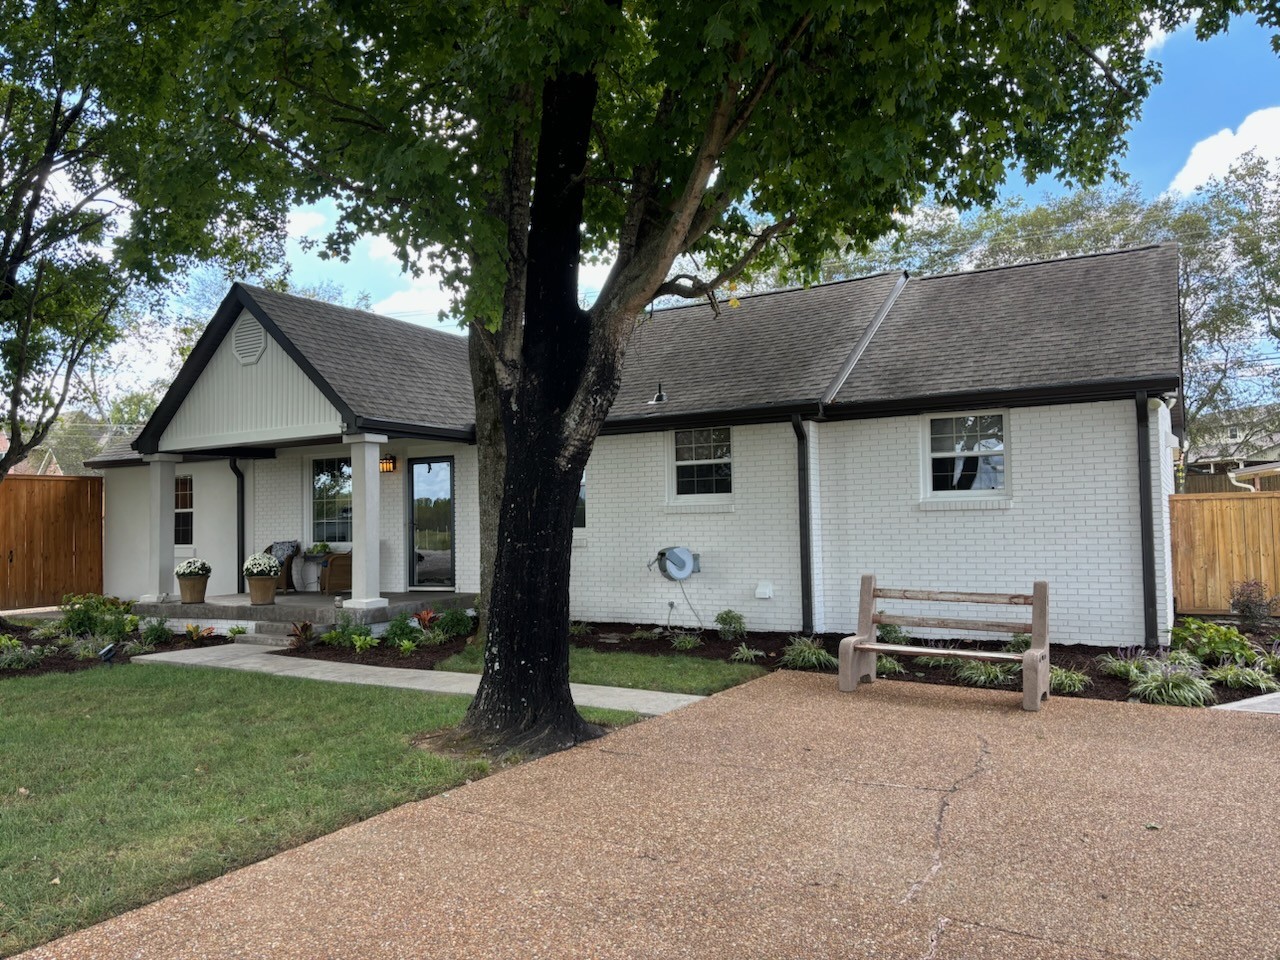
63 661
424 658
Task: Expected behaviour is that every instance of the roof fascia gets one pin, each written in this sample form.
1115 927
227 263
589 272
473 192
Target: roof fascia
238 299
415 431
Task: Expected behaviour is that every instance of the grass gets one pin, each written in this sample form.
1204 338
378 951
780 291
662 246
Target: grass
125 785
671 673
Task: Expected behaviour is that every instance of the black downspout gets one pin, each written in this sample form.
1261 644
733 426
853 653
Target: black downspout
806 546
1151 638
235 468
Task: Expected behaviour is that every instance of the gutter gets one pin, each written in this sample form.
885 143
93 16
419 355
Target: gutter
240 558
806 544
1151 637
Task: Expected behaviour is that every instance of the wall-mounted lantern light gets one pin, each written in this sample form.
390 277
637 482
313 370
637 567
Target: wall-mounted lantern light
387 465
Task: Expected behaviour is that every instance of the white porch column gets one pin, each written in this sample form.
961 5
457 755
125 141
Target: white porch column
160 471
366 514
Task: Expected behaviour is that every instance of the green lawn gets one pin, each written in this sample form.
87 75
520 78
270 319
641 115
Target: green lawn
673 673
128 784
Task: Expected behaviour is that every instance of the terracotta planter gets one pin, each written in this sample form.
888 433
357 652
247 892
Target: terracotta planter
193 588
262 590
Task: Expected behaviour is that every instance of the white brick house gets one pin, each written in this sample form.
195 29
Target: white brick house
973 431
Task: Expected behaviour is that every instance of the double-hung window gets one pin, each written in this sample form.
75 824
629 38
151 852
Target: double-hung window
703 462
331 500
184 528
967 455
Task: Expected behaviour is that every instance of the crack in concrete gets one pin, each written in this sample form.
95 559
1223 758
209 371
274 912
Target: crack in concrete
1052 941
984 751
935 938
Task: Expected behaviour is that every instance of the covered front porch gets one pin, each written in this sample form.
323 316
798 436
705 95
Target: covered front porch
319 609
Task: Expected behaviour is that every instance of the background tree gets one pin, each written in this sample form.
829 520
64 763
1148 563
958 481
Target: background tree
78 219
503 143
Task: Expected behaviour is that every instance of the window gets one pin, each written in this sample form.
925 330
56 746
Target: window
704 462
331 500
580 511
967 454
1233 433
184 528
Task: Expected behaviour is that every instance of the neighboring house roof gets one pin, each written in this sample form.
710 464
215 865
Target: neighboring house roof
118 452
1101 326
39 462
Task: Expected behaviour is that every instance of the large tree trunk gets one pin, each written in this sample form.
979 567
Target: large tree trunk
492 455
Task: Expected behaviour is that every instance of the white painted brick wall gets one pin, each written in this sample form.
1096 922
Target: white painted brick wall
1074 520
1163 444
629 520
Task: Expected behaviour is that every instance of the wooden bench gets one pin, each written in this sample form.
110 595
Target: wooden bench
858 653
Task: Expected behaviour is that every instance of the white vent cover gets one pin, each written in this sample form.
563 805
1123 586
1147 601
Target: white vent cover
248 341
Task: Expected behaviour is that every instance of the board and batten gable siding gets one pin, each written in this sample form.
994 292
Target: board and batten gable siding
1073 520
127 525
235 404
629 519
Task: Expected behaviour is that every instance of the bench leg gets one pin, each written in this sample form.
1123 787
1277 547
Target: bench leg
855 665
1035 678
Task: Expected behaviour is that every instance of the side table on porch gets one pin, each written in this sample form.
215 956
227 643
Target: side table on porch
310 579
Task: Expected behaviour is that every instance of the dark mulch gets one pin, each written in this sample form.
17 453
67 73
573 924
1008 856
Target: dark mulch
63 661
424 658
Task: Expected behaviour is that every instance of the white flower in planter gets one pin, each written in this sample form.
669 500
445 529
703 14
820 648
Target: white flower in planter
262 565
195 567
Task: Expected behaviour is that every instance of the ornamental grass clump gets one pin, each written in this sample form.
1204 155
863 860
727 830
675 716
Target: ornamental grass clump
939 662
744 654
887 666
15 656
1127 664
807 653
1173 686
980 673
1239 676
1062 680
686 641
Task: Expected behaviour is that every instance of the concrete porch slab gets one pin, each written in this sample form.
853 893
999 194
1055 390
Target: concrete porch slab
316 607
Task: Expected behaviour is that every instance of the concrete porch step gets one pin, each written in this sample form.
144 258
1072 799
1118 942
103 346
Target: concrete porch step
263 641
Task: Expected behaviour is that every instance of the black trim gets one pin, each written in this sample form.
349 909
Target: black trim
240 558
453 522
414 431
237 300
806 544
736 416
1151 635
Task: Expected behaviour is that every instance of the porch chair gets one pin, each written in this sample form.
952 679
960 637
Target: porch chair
285 551
335 573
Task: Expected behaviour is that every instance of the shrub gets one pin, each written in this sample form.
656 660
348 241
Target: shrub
686 641
302 634
1172 685
1250 602
400 629
744 654
578 629
1212 642
9 642
237 631
732 625
343 632
1018 643
981 673
1127 664
92 614
156 631
454 623
806 653
887 666
1062 680
1237 676
892 633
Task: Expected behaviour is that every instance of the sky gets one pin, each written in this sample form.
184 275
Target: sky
1219 98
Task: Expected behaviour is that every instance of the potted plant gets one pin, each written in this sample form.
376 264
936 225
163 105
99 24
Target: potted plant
262 573
317 549
193 579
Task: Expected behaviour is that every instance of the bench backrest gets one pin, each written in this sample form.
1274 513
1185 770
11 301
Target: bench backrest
1037 600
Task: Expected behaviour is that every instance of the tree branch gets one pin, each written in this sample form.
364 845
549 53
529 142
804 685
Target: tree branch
1110 75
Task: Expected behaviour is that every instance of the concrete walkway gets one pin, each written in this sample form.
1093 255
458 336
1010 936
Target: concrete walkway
246 656
782 819
1266 703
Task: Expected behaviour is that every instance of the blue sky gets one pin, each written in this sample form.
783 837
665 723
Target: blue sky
1218 99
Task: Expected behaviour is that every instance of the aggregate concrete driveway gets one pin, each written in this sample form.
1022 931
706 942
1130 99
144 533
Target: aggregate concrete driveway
782 819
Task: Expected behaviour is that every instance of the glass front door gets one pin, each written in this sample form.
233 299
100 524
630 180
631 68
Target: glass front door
431 522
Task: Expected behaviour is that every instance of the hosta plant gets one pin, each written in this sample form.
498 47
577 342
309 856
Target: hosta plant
806 653
194 567
262 565
363 640
1212 642
406 645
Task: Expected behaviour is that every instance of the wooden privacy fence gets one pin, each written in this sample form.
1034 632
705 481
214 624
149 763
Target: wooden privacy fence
50 539
1220 539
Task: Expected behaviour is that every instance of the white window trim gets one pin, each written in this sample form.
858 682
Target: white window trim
930 499
308 498
696 502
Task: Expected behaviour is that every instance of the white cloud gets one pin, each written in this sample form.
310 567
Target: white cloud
1156 37
306 223
1213 156
420 302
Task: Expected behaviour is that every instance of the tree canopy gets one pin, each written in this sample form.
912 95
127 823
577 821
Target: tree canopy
501 144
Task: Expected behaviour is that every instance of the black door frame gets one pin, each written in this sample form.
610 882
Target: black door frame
411 526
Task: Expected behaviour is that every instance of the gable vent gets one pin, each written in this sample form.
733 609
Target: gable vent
248 341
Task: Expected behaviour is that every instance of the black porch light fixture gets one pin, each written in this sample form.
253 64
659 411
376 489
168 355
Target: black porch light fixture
387 464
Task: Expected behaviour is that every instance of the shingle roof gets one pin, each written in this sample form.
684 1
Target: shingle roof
384 369
117 452
1091 319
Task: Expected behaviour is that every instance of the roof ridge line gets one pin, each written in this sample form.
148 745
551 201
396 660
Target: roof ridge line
1049 261
342 306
